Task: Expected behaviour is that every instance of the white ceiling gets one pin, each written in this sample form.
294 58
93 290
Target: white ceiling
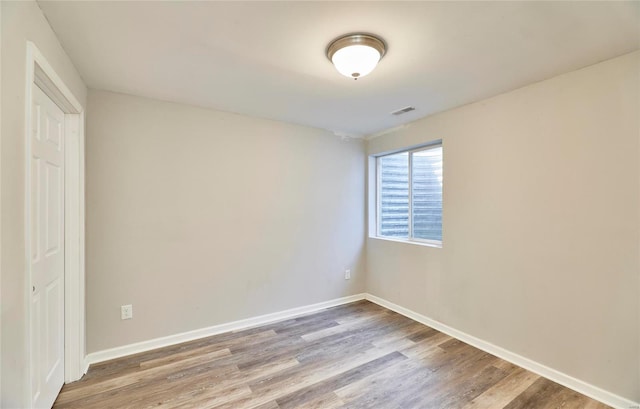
267 59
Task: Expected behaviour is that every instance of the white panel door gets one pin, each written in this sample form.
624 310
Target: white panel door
47 250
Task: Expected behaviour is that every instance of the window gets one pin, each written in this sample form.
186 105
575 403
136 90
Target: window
409 190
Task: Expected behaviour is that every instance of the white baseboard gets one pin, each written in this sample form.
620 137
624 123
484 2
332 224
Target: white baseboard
108 354
585 388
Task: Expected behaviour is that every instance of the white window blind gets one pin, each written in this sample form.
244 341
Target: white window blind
410 194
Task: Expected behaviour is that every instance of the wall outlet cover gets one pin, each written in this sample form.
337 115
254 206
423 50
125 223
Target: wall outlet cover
126 312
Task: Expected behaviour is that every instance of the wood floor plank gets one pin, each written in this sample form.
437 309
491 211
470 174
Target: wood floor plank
227 386
546 394
302 377
269 405
139 376
504 391
327 401
304 395
344 325
468 386
425 348
356 356
382 389
204 398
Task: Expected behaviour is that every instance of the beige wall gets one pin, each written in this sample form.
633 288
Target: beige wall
21 21
198 217
541 225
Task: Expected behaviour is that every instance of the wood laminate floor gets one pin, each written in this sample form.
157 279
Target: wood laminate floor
358 355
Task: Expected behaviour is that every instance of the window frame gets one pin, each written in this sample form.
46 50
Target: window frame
378 194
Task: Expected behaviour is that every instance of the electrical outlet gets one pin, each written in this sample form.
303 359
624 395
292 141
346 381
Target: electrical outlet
347 274
126 312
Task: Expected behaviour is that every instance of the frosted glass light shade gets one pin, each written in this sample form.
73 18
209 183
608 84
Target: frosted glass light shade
356 55
356 61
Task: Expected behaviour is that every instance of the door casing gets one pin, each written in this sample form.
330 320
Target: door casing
40 73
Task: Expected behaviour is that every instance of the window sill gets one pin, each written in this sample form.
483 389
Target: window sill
414 242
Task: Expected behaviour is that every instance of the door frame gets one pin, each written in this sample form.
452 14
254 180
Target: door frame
41 74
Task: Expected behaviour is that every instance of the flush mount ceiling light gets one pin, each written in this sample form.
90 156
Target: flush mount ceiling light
356 55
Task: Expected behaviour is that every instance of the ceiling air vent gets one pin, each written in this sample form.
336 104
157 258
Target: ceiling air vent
403 111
